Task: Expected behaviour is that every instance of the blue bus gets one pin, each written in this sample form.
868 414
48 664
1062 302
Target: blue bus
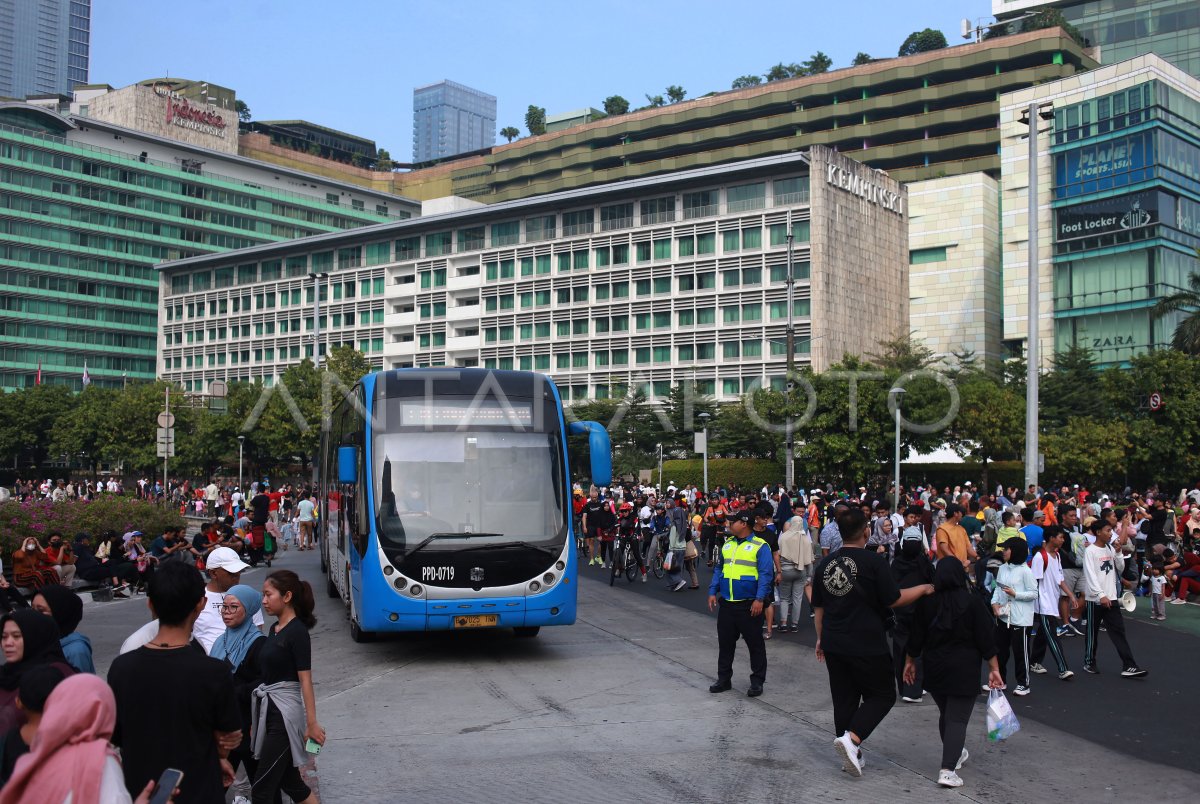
445 501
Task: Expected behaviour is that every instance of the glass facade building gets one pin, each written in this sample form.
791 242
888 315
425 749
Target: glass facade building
1123 29
44 46
82 225
449 119
1126 199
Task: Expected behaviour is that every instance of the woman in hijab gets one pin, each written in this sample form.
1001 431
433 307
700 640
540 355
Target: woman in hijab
28 639
71 758
32 568
952 632
66 609
239 647
910 567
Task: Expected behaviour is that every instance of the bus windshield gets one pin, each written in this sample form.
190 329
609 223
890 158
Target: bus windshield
455 489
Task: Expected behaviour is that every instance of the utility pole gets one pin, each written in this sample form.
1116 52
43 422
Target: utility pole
789 469
167 451
1033 348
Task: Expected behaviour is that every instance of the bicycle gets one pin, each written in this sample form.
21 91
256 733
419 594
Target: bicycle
623 560
654 563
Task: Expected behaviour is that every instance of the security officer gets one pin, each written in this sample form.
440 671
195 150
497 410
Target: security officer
741 582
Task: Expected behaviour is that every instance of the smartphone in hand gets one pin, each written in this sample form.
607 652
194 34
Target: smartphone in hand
312 746
165 788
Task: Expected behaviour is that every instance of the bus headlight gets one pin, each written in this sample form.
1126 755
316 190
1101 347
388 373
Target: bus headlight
534 586
400 583
388 569
560 566
416 590
548 578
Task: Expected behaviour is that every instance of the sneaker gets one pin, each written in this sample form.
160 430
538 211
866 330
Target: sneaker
240 800
1091 668
643 577
1075 628
961 759
1178 601
1021 690
985 689
1036 668
1066 675
679 586
906 699
1063 631
850 753
948 778
119 595
1133 671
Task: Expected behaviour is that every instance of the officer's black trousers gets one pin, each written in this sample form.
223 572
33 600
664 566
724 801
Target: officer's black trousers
734 620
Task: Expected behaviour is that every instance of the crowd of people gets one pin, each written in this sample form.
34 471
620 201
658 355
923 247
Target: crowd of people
918 598
243 706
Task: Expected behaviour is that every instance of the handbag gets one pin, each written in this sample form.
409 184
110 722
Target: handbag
690 550
1002 722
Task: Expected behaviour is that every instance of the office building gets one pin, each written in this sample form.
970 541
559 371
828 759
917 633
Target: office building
88 207
43 46
1118 30
327 143
1119 208
449 119
635 284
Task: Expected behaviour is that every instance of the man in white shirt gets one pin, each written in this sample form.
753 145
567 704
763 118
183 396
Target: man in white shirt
224 570
1048 572
307 521
211 493
1102 566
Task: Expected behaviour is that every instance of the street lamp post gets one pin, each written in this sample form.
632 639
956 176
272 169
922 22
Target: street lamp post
705 417
317 278
789 469
897 394
241 443
660 485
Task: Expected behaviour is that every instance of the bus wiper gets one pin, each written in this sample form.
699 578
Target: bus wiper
431 537
528 545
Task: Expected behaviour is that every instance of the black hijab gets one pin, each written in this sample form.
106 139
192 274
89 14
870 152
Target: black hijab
65 607
950 587
40 636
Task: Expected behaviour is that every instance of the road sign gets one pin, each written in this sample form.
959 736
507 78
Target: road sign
218 388
1041 463
701 445
166 419
166 434
1156 401
166 450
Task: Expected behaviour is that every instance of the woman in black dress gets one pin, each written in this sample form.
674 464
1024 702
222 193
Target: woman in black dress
953 633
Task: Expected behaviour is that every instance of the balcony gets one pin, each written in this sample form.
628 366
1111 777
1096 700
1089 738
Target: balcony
652 218
701 212
746 205
463 343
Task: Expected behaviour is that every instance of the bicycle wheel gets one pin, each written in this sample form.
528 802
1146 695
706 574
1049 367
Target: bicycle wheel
631 565
656 565
616 567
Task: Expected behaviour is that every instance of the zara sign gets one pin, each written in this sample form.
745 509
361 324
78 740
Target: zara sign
875 193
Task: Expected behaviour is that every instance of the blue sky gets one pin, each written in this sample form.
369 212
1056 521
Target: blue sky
352 64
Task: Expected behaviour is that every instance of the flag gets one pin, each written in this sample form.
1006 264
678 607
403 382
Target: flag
87 378
38 379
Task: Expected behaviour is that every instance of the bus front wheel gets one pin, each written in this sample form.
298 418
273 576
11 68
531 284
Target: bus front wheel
527 632
330 587
358 634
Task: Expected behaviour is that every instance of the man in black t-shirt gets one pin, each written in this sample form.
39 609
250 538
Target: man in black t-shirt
852 590
765 530
597 516
260 507
191 724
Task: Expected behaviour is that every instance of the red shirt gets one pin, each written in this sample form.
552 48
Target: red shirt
274 497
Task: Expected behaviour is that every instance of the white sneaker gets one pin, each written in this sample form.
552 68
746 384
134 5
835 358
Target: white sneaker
965 756
1178 601
1036 668
240 800
850 753
948 778
643 577
906 699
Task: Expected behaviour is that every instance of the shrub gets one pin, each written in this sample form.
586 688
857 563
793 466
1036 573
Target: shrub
108 512
748 473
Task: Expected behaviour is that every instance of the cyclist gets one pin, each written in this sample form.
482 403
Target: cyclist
646 528
628 532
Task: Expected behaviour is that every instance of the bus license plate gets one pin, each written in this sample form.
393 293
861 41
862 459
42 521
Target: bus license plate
476 620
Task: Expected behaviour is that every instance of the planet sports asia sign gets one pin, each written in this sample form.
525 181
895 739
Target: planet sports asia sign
185 115
873 192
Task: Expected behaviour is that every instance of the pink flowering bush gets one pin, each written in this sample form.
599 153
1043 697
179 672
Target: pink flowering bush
115 512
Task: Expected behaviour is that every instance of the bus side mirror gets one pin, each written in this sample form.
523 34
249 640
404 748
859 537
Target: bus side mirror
599 450
347 465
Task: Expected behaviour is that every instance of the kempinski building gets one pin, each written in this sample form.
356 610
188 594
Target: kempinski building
641 283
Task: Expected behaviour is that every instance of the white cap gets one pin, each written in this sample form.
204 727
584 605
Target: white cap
224 558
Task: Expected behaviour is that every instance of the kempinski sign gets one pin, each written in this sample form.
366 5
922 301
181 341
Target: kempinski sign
855 184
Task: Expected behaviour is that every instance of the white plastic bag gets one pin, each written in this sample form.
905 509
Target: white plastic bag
1002 722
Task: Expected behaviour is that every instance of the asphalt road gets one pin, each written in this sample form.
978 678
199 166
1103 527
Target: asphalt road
616 707
1105 709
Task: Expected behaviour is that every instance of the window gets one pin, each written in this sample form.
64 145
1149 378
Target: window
922 256
507 269
491 270
662 354
802 308
201 280
579 327
541 298
706 280
578 222
349 257
641 321
579 294
658 210
600 325
706 243
731 314
525 332
641 355
643 252
729 350
247 275
620 290
791 191
752 312
616 216
408 248
799 271
526 299
539 228
603 257
752 348
541 329
601 292
438 243
563 329
527 266
525 362
731 240
506 332
662 249
687 283
731 387
706 351
543 264
506 301
541 362
620 254
687 246
564 262
620 323
752 238
506 234
706 315
601 358
662 284
469 239
271 269
579 360
620 357
564 296
686 318
746 197
731 278
752 276
579 260
378 253
687 353
642 287
563 361
701 204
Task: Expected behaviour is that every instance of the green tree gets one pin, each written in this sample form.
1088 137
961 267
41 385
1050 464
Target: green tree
655 101
990 425
1087 450
76 433
29 417
862 58
243 111
383 161
818 63
781 71
683 407
743 81
535 120
349 364
615 104
923 42
1186 337
675 93
510 133
1071 388
1052 18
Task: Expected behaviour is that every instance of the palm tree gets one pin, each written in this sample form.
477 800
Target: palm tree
509 133
1187 333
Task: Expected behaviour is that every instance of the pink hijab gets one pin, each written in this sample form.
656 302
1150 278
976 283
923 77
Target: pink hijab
70 747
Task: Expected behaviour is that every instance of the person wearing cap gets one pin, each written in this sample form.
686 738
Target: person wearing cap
1035 522
224 569
738 591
